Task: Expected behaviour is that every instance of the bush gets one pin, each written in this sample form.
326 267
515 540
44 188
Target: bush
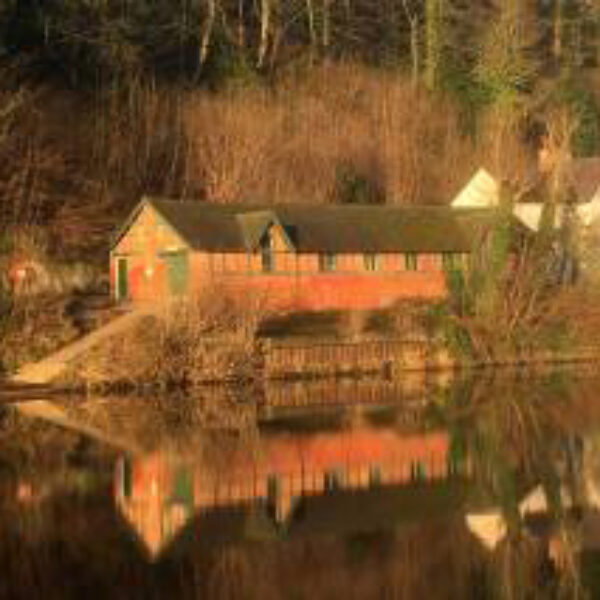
34 328
340 133
227 66
355 187
582 106
506 296
192 340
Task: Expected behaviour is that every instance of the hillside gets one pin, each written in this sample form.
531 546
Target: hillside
321 101
278 101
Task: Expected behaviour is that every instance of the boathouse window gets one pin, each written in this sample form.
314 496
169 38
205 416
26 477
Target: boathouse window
374 475
451 261
371 261
452 466
266 255
411 261
327 261
417 471
273 487
126 477
333 480
183 488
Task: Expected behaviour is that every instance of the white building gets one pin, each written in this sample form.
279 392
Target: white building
583 180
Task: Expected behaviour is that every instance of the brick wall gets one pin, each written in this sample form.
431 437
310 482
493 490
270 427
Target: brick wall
338 291
145 240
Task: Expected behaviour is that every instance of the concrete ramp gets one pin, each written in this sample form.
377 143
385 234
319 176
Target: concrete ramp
49 368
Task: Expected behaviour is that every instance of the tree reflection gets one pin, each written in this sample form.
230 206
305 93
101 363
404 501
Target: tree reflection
526 467
528 451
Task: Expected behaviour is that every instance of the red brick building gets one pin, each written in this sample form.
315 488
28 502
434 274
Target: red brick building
296 256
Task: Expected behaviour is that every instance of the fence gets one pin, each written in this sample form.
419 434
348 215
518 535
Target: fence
360 391
284 361
394 356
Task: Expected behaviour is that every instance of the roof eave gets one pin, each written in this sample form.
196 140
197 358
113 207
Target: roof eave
117 236
124 228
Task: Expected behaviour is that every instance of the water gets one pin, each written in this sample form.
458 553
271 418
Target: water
487 487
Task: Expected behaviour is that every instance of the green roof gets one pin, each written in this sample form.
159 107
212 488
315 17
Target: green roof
329 228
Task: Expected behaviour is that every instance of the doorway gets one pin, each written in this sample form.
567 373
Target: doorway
121 290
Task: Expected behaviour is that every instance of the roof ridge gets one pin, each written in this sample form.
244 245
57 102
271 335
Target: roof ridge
246 208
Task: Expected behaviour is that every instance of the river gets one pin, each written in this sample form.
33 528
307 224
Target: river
484 487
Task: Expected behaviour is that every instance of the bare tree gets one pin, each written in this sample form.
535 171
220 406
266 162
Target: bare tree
558 28
412 16
207 31
434 22
265 30
312 34
326 30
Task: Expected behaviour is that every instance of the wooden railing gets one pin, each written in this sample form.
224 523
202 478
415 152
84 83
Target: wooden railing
291 360
348 391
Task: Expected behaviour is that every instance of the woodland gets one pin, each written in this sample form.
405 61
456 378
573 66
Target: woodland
394 101
272 101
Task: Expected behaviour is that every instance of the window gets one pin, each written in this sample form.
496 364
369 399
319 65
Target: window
453 467
374 476
417 471
327 262
451 261
126 477
266 255
183 488
371 262
273 487
333 480
411 261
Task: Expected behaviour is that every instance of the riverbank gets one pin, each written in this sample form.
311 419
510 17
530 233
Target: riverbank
228 361
191 344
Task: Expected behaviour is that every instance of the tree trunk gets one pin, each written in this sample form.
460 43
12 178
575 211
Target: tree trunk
310 16
433 42
557 41
265 27
326 40
207 32
413 22
241 30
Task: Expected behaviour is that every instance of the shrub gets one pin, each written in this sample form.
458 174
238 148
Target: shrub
338 132
355 187
191 340
583 108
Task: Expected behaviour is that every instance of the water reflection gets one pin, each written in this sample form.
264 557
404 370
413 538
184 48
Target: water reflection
489 488
526 445
281 482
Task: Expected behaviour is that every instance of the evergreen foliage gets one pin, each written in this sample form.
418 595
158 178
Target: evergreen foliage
355 187
584 110
511 41
498 303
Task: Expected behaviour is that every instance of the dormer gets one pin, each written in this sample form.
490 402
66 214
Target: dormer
263 232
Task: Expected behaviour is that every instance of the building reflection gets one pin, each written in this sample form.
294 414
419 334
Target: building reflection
279 477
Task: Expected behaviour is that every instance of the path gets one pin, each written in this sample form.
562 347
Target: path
49 368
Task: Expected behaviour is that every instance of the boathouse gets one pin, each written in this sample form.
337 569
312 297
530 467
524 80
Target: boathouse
297 256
